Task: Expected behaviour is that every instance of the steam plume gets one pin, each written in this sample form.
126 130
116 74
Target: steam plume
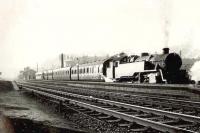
195 71
166 9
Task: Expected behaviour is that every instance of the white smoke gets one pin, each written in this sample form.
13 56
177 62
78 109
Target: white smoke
166 8
195 71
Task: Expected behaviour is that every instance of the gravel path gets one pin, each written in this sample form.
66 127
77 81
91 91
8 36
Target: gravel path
14 106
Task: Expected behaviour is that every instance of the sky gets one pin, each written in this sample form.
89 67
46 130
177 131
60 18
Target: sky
34 31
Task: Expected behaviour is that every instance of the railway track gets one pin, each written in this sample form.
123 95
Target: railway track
137 118
66 83
162 103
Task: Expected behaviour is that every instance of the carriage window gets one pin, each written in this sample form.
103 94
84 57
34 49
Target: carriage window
116 64
109 64
88 70
98 69
101 70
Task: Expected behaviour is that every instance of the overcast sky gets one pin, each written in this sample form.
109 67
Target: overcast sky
33 31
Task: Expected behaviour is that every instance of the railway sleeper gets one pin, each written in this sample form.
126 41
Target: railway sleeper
140 130
124 125
176 122
114 120
156 118
104 117
96 114
89 112
82 110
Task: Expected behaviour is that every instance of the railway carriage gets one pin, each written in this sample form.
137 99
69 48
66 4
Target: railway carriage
92 71
39 75
62 73
45 75
56 74
50 74
74 73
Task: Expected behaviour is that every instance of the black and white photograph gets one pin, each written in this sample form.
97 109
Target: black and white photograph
99 66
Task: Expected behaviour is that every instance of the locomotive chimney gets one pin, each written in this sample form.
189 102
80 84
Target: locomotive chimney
62 60
165 50
144 54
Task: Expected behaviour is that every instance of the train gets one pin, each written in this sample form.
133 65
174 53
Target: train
146 68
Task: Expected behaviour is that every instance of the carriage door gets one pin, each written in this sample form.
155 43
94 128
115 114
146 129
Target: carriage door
115 64
78 72
113 72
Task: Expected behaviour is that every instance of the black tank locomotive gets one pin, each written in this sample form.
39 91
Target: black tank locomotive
167 66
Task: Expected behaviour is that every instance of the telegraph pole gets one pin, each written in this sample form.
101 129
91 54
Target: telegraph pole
62 60
37 67
78 67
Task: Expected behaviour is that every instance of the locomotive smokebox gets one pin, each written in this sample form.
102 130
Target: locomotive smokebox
173 62
165 50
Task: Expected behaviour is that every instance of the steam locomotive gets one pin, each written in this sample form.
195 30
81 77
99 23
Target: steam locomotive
147 68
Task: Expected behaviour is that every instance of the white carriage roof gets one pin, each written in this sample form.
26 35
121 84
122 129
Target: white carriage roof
59 69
